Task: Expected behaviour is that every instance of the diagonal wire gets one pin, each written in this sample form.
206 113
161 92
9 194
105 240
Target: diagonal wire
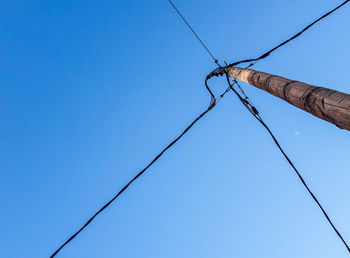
211 106
131 181
252 61
252 109
189 26
213 103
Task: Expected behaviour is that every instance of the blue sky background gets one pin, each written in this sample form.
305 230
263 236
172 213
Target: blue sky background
91 91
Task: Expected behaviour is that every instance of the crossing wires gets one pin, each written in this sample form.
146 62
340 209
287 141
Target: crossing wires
211 105
253 110
220 71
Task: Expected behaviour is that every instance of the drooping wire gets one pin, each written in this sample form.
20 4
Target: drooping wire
253 61
189 26
253 110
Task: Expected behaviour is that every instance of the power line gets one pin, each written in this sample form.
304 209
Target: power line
132 180
212 104
252 61
213 99
253 110
189 26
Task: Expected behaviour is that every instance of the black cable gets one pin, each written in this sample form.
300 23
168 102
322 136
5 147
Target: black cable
212 104
138 175
189 26
220 70
252 109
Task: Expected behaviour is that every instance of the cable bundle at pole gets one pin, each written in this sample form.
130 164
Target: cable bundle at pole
223 71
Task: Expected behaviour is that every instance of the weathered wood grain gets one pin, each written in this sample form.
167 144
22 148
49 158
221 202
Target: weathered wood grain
330 105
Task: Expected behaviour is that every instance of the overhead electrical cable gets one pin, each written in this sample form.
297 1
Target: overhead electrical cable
213 102
132 180
221 70
189 26
245 101
253 110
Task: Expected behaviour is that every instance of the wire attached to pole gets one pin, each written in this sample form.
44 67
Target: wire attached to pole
253 61
245 101
253 110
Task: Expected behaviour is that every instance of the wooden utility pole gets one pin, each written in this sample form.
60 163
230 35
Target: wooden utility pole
330 105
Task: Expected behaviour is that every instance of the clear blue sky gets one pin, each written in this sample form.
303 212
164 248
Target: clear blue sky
91 91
